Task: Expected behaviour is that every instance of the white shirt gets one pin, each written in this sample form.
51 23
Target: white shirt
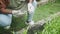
30 7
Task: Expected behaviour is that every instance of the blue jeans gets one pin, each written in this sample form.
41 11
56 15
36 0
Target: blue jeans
30 16
5 19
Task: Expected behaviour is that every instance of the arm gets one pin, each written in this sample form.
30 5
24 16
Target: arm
6 11
3 8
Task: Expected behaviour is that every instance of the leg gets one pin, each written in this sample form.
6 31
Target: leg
5 20
30 16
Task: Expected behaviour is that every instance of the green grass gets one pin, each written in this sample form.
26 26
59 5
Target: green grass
45 10
18 22
52 27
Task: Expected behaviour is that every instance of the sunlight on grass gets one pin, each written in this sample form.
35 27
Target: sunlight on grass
45 10
53 27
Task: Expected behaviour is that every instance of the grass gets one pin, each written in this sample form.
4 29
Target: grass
18 22
52 27
45 10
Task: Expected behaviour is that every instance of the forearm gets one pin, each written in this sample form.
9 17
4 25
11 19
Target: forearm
6 11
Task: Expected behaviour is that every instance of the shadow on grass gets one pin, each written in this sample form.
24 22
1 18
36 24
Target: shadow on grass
3 31
35 29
